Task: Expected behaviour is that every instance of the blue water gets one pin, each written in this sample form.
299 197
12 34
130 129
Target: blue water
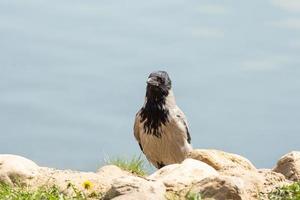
73 75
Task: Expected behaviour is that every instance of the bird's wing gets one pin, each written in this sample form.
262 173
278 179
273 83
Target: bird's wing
182 119
136 129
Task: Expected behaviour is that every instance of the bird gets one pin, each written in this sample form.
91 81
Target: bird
160 127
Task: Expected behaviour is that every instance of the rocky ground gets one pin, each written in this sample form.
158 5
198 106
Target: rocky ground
212 173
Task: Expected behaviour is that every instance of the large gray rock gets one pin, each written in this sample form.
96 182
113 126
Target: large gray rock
289 166
221 160
240 177
137 196
240 185
257 182
16 170
266 181
221 188
130 187
186 173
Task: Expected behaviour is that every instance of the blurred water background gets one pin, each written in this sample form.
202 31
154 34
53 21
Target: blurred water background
73 75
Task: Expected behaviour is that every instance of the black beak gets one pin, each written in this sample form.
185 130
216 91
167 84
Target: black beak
152 81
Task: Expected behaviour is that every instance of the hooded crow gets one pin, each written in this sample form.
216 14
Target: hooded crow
160 126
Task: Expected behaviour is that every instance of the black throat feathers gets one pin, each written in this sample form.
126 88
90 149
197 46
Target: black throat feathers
154 114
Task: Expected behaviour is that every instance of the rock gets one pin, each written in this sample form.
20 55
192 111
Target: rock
112 171
257 182
136 196
17 170
64 178
266 181
221 188
289 166
215 174
220 160
107 174
101 181
130 187
246 184
186 173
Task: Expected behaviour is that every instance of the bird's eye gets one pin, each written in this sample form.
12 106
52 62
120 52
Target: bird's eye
159 79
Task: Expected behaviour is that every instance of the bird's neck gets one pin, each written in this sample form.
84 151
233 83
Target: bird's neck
155 112
170 100
162 101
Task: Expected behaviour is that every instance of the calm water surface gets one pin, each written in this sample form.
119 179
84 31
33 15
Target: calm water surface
73 75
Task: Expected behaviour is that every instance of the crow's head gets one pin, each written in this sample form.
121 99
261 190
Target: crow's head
158 85
159 79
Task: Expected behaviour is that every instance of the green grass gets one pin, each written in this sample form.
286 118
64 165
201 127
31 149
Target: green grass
185 193
135 165
193 196
290 192
43 193
9 193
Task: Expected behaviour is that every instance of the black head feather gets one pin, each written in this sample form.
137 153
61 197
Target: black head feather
158 86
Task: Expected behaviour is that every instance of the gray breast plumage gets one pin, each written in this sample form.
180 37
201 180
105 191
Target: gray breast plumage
163 134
